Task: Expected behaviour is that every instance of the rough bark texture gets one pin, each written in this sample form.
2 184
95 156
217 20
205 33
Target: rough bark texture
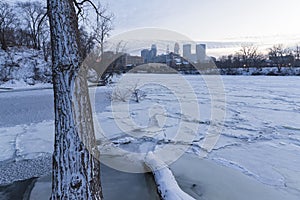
76 168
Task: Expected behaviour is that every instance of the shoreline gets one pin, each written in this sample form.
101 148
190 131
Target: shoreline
114 184
200 178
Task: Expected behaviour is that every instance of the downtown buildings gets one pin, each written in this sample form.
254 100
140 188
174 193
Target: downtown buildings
198 57
150 55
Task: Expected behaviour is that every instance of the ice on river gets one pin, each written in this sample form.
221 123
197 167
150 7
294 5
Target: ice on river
256 133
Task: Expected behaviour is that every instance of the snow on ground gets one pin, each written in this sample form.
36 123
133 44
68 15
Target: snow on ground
21 85
284 71
26 141
23 66
260 137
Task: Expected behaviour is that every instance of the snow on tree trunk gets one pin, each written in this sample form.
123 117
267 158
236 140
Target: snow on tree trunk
76 168
167 186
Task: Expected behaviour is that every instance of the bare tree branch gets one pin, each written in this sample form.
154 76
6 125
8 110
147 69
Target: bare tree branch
8 20
80 4
34 16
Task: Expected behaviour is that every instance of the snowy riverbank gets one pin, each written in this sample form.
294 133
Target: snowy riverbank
200 178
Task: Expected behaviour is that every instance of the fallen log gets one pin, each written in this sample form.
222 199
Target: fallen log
167 186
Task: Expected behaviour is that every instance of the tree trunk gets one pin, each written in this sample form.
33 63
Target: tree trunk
3 41
76 165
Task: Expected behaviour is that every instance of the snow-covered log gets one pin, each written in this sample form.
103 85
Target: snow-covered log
168 188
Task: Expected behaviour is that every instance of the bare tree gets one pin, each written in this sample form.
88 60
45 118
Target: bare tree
250 56
277 54
35 17
297 53
44 38
8 21
76 168
102 27
86 41
22 37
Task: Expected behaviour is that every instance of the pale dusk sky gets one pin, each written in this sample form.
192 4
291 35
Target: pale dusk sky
210 19
263 22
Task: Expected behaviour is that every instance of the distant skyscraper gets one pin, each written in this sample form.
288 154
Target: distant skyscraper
149 55
201 52
145 55
153 51
176 48
187 50
199 56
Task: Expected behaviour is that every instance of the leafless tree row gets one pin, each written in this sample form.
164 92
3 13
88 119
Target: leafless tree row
249 56
26 24
23 24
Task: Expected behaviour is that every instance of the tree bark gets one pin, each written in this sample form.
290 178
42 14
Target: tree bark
76 165
3 41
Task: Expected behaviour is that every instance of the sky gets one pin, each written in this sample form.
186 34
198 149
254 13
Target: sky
265 22
223 24
210 19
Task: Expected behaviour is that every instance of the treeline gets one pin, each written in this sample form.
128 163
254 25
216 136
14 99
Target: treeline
25 46
25 24
249 57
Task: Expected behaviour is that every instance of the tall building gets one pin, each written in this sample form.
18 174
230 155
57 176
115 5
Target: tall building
149 55
201 52
187 51
153 52
199 56
145 55
154 49
176 48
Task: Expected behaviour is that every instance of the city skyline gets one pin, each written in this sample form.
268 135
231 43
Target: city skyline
263 23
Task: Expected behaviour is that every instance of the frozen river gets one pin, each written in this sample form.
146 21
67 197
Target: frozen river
255 121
